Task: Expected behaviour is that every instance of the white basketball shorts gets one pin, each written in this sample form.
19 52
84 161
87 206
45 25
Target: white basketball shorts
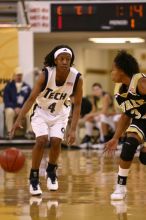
43 123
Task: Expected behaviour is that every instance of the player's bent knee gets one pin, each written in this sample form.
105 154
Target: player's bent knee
129 149
142 157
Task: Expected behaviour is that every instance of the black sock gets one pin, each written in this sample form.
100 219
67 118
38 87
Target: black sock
122 180
34 174
51 167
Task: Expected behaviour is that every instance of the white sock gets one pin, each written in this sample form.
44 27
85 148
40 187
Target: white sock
123 172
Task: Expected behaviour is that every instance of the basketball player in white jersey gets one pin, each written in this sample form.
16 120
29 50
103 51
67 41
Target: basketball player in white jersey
51 93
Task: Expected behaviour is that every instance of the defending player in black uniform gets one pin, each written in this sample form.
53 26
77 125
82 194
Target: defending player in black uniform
132 100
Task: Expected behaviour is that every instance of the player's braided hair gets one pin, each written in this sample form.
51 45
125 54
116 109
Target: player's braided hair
127 63
49 59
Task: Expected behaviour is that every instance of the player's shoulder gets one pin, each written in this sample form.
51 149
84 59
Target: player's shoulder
74 70
139 74
136 77
48 69
136 80
47 72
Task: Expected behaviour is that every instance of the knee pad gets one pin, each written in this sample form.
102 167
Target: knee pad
142 157
129 148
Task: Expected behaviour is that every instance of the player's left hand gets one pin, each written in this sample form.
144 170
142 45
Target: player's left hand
71 137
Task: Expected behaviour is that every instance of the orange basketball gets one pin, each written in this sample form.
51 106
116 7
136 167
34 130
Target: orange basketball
12 160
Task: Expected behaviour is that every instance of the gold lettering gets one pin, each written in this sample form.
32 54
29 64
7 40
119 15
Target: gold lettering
123 107
128 105
137 103
140 102
136 113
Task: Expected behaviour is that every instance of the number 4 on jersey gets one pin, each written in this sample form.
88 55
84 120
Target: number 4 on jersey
52 107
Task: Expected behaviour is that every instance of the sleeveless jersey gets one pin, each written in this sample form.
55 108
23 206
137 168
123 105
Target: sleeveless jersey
55 99
131 102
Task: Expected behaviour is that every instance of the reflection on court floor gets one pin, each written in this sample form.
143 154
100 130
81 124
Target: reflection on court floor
86 179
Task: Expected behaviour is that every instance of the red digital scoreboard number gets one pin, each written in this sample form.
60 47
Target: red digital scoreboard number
98 17
78 10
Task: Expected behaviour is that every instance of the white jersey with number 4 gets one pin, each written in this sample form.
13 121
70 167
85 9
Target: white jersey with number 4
55 99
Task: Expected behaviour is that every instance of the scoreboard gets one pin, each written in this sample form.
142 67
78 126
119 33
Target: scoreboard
98 17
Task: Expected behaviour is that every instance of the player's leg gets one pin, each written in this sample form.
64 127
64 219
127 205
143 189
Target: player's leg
57 132
127 154
142 155
37 154
40 129
135 135
55 148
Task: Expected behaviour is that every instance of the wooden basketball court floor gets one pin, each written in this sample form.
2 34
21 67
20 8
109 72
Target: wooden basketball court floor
86 180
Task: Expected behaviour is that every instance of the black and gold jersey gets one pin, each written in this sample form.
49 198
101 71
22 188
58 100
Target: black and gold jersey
132 103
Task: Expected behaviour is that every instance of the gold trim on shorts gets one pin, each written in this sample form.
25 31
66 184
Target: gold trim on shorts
135 129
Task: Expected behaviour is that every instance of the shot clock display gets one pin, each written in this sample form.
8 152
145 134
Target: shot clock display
98 17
